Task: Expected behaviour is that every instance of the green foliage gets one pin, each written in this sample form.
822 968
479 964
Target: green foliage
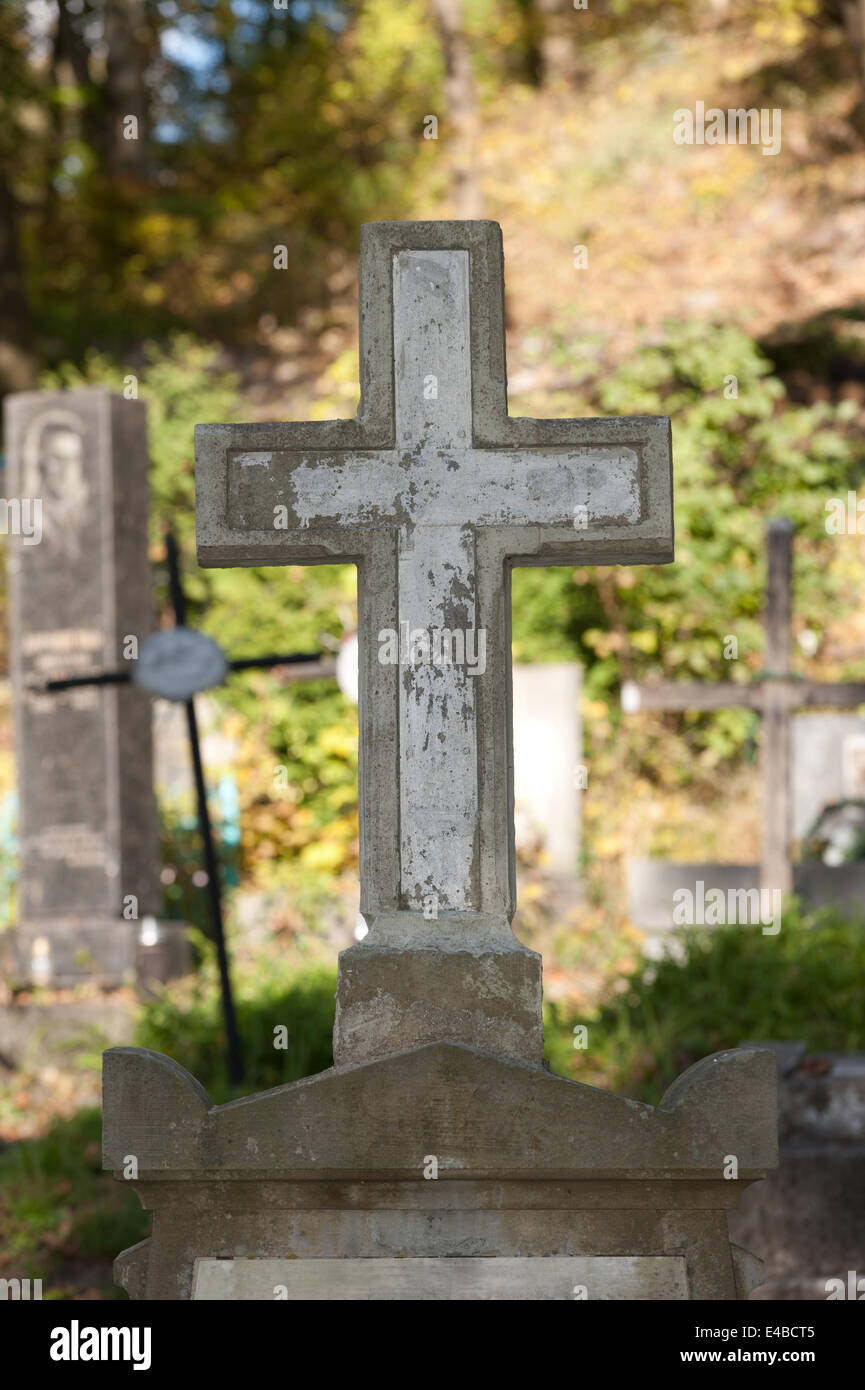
57 1205
185 1022
733 985
182 855
738 460
306 736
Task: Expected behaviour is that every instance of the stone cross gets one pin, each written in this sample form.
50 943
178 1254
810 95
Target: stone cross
776 695
435 493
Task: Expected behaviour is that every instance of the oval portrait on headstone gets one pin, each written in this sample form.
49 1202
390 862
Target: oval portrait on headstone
55 472
179 662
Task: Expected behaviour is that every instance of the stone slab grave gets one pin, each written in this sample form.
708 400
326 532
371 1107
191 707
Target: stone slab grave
439 1134
652 883
88 831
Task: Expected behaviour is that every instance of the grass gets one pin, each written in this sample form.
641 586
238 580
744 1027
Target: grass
63 1220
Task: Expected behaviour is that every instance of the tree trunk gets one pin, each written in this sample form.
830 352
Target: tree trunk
462 106
71 67
125 91
530 25
559 34
853 12
19 365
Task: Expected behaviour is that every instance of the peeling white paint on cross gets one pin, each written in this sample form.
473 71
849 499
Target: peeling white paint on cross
435 493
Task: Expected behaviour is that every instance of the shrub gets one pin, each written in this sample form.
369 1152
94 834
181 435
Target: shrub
185 1022
731 985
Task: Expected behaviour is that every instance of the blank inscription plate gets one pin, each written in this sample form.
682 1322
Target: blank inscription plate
591 1277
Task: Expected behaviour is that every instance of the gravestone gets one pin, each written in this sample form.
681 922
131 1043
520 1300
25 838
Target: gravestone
547 764
439 1135
87 830
828 764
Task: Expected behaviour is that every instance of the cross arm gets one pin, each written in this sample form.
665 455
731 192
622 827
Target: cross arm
240 475
808 694
689 695
72 682
252 663
612 478
583 491
302 666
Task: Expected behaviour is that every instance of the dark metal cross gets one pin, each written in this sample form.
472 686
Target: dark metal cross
176 664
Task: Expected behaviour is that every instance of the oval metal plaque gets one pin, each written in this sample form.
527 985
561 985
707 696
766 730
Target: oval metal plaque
179 662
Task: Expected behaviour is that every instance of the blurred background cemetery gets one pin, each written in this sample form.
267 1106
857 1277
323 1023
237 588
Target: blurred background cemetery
212 261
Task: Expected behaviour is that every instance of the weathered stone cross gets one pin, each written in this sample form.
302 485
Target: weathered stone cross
435 493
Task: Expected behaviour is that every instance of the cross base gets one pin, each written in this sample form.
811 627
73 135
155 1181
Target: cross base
439 1172
98 948
462 976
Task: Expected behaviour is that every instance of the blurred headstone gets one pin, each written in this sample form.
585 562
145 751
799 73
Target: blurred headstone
80 600
548 774
828 765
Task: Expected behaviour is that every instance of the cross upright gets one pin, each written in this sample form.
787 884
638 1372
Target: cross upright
775 695
435 493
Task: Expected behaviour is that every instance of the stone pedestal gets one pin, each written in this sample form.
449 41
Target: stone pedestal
411 982
100 950
442 1152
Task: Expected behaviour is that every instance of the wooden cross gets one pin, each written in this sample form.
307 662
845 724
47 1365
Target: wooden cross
435 493
775 695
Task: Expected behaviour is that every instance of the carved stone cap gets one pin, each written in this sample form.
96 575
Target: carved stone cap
482 1116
